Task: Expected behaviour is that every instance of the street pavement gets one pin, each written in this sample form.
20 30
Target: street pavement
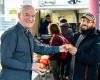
48 76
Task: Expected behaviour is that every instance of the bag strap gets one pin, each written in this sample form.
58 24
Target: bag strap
79 40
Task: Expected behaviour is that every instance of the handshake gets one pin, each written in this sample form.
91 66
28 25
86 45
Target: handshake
68 48
40 67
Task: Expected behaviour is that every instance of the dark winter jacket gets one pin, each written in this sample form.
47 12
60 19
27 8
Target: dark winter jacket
66 31
87 57
43 27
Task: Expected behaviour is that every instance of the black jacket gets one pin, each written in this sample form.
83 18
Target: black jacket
67 31
44 27
87 57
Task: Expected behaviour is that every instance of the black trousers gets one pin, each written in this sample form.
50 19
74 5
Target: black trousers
99 73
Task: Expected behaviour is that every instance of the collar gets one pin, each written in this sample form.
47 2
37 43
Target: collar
21 28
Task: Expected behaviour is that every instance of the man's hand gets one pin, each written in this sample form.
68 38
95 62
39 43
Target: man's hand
72 50
63 48
36 67
68 47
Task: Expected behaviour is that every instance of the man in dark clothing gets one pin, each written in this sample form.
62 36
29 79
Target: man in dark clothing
87 56
68 34
99 62
43 26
